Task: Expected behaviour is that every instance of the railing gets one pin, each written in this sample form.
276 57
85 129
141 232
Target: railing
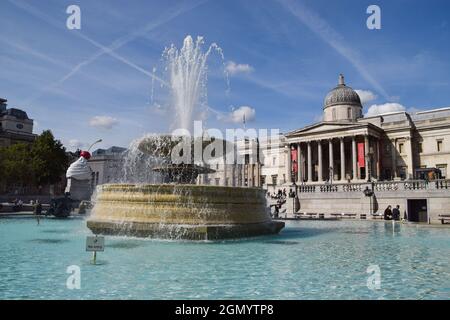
329 188
386 186
306 188
442 184
381 186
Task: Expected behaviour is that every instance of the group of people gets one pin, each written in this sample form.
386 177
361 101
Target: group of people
392 214
281 194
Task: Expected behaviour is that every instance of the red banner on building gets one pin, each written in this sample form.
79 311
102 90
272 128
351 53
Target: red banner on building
361 158
294 160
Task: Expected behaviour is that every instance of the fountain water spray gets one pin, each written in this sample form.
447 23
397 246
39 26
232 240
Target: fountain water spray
159 198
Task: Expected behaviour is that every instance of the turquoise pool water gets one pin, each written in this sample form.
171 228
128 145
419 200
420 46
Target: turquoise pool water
308 260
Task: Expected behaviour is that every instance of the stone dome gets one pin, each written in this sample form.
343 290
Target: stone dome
342 95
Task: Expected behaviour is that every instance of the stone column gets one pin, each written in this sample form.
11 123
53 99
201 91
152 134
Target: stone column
394 158
366 156
288 165
299 164
243 174
342 159
330 147
378 159
309 162
409 160
319 154
354 159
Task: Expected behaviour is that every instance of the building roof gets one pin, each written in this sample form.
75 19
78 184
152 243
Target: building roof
431 114
342 95
17 113
110 151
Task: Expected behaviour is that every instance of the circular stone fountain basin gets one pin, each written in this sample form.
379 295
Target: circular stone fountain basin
171 211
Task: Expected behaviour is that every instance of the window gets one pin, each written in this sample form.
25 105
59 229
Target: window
263 180
217 181
274 179
19 126
401 148
349 113
439 145
443 168
274 161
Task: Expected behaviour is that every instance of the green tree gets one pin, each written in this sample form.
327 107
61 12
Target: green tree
48 160
15 165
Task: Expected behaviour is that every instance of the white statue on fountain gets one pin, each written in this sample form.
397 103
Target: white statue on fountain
79 177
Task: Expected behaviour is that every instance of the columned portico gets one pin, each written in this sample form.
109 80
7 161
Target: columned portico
322 164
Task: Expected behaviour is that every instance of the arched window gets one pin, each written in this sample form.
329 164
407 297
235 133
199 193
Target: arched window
349 113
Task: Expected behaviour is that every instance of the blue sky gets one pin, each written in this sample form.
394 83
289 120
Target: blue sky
283 57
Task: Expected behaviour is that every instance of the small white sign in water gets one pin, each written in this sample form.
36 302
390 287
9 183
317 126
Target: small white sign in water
95 243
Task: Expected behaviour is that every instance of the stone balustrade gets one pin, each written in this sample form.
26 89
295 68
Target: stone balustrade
382 186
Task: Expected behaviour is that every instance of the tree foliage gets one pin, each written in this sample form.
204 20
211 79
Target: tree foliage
41 163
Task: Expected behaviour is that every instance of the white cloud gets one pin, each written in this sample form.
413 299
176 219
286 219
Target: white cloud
377 109
366 96
234 68
237 115
103 122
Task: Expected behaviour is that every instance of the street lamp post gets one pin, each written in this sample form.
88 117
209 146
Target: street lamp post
369 193
293 196
98 141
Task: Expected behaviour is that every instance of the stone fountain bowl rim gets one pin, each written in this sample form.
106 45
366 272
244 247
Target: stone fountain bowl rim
113 186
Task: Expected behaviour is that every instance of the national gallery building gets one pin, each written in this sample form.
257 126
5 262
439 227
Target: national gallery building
346 146
351 163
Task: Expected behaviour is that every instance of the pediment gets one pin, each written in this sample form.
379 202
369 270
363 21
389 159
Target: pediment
323 127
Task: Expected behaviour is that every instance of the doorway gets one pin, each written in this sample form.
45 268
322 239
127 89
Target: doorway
417 210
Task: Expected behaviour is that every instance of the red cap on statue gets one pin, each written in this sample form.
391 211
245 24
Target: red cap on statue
85 154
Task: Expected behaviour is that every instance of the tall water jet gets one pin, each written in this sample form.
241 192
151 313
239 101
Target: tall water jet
159 197
188 74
